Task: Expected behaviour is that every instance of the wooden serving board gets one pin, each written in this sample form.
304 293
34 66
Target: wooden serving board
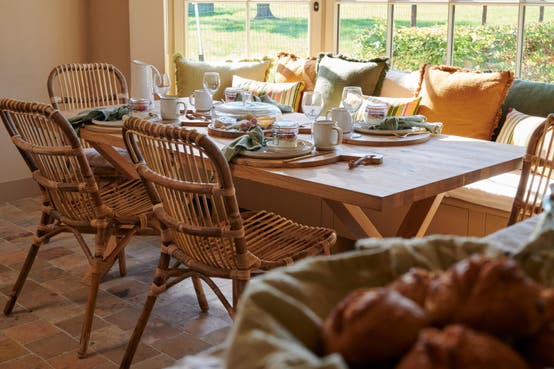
103 129
314 159
230 133
374 140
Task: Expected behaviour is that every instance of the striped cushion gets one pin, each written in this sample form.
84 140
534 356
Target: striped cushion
284 93
518 128
397 106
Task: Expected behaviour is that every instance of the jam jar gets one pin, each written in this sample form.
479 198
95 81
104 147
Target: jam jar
375 112
285 134
140 108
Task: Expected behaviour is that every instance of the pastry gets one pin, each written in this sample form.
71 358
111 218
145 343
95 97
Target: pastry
414 284
539 349
459 347
372 325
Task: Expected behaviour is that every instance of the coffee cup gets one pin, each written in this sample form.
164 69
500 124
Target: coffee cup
342 117
169 107
326 134
201 100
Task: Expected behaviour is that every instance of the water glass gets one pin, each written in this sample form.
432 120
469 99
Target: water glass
312 104
352 99
211 82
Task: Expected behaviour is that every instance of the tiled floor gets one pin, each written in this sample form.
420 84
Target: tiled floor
43 331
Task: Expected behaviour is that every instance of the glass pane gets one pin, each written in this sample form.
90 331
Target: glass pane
362 30
538 46
278 27
419 35
221 30
485 37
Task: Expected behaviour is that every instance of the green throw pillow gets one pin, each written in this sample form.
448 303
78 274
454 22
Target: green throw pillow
189 73
336 72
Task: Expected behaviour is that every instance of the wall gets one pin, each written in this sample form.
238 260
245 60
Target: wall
35 36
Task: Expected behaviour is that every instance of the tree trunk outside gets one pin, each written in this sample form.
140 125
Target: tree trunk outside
484 16
413 19
263 12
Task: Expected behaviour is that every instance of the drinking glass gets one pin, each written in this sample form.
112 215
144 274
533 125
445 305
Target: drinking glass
162 86
352 99
312 104
211 82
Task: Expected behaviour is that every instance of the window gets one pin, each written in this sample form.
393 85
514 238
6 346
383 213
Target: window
481 35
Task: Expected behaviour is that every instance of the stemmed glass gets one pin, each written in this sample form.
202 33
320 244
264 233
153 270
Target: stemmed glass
211 82
312 104
352 99
162 86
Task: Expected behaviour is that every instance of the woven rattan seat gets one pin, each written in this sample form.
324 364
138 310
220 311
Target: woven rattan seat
537 173
193 194
72 200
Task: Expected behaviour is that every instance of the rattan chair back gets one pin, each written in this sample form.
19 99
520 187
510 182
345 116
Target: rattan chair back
192 190
82 86
536 174
55 157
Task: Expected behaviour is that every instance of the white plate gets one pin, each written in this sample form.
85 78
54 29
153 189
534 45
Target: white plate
108 123
303 147
300 146
390 132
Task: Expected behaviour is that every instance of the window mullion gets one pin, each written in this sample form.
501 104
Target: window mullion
520 38
450 34
390 31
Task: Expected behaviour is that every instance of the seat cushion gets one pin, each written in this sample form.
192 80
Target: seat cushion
467 102
336 72
189 73
291 68
284 93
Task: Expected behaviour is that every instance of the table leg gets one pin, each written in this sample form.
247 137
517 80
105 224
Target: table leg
115 158
354 219
419 217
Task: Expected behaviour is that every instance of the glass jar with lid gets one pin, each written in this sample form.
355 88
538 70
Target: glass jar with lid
375 112
140 108
285 134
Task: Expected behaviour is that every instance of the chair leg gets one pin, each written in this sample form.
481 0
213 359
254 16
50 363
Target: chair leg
25 269
122 263
238 287
139 330
91 305
200 295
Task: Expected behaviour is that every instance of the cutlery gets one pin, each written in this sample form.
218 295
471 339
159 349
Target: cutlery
365 160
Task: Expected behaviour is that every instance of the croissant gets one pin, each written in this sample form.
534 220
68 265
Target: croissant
414 284
372 325
460 347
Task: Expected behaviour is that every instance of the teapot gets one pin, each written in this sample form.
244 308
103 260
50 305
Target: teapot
144 79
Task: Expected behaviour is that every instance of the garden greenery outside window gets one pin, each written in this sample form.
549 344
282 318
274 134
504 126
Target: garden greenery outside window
512 35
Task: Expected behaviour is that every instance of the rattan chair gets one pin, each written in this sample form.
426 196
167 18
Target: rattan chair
71 198
192 191
82 86
536 174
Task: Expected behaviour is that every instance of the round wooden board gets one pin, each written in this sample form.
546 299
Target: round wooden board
230 134
371 140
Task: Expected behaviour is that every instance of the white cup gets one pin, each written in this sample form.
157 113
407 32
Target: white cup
169 107
342 117
326 134
201 100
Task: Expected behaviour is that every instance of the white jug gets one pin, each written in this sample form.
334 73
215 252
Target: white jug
144 78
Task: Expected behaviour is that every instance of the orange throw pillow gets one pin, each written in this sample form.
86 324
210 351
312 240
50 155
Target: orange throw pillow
467 102
291 68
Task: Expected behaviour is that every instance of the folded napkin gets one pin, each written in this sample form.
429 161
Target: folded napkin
407 122
266 99
103 114
252 140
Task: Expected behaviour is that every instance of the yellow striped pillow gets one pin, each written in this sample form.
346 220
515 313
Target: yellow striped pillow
518 128
284 93
398 106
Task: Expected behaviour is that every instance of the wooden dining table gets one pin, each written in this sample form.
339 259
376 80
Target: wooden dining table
413 176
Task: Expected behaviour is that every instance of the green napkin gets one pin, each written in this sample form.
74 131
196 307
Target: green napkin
103 114
268 100
252 140
407 122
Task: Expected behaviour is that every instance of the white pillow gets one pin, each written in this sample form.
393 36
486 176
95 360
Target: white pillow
400 84
518 128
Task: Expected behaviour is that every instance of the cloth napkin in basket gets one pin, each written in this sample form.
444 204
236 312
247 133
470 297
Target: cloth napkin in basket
252 140
103 114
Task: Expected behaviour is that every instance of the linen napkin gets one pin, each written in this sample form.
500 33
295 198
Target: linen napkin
407 122
103 114
252 140
266 99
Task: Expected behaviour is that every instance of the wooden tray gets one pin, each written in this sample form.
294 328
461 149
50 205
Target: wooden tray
371 140
229 133
315 159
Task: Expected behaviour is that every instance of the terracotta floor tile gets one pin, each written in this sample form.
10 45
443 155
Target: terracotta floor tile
65 283
125 319
108 338
10 231
26 362
32 331
204 324
144 352
53 346
13 257
18 317
106 303
70 360
53 253
181 345
9 349
159 329
70 261
126 288
56 313
40 298
218 336
157 362
73 325
45 273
